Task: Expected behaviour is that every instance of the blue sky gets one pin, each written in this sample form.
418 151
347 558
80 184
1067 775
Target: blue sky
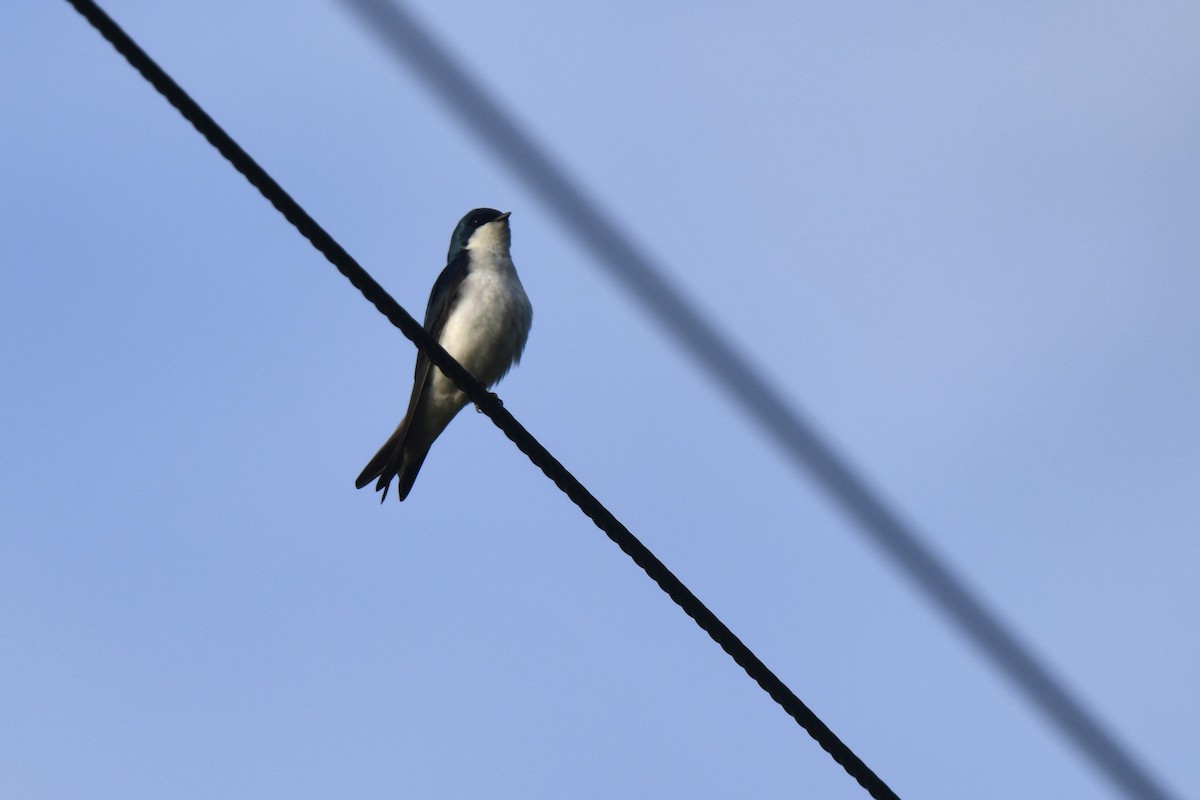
962 240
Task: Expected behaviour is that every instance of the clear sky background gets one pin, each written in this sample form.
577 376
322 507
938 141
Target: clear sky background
963 239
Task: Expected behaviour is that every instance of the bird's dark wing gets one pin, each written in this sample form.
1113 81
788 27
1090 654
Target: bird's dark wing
442 299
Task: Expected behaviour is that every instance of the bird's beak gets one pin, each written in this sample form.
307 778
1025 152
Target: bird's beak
505 215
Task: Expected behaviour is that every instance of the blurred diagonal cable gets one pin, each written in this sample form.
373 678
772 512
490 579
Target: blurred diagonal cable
750 388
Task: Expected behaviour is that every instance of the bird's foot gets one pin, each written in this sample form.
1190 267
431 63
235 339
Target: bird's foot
495 397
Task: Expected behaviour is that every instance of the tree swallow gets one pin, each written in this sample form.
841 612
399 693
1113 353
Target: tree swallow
479 313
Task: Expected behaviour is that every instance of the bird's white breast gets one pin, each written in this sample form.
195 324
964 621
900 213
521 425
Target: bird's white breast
488 326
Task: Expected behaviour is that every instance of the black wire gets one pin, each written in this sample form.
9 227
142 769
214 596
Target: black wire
752 390
487 401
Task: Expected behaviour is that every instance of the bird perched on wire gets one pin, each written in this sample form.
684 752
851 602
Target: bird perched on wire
479 313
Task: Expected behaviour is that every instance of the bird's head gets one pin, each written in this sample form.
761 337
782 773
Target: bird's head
480 228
